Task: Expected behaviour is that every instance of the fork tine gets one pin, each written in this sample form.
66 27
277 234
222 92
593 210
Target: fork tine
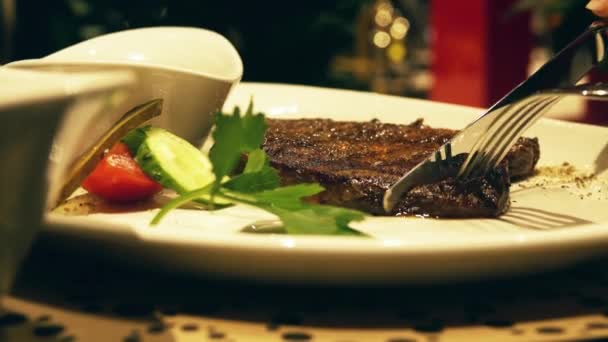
477 154
502 152
501 132
469 165
469 161
510 133
438 155
504 134
480 144
448 151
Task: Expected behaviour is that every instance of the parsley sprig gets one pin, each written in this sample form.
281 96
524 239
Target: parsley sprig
258 184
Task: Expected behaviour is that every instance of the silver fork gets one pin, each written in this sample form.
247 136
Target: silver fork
503 132
487 140
499 135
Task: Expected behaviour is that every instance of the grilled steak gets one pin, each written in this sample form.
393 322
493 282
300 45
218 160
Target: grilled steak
357 161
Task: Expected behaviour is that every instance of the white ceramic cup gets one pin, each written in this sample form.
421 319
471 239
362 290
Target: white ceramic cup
191 69
32 106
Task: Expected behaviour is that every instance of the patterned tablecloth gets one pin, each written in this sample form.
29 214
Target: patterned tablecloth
66 297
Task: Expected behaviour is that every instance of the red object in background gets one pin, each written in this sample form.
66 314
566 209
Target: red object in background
118 178
480 52
596 112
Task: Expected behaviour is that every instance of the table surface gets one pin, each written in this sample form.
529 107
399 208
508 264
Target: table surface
61 296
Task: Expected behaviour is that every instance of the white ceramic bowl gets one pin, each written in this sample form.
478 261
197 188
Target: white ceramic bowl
191 69
32 106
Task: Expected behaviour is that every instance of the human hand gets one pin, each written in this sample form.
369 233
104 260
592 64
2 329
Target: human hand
598 7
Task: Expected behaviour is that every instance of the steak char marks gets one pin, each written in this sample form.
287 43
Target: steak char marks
357 162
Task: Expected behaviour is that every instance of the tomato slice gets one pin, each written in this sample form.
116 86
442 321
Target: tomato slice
118 178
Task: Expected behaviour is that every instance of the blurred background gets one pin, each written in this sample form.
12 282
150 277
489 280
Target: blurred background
467 52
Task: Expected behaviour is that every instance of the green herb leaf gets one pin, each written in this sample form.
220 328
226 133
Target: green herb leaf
304 221
256 161
254 127
258 184
234 135
288 197
265 179
257 175
343 216
299 217
225 152
317 219
179 201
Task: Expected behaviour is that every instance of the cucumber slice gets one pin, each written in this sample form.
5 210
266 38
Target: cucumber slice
172 161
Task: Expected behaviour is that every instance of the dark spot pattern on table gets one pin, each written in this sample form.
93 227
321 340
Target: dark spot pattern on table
296 336
190 327
134 336
550 330
215 334
157 328
48 330
68 338
597 325
426 312
400 339
44 318
12 318
272 326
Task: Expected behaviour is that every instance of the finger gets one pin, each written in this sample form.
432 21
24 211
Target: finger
598 7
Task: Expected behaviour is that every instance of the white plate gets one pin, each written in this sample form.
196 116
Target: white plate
551 223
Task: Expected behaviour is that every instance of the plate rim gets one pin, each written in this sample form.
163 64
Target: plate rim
591 234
